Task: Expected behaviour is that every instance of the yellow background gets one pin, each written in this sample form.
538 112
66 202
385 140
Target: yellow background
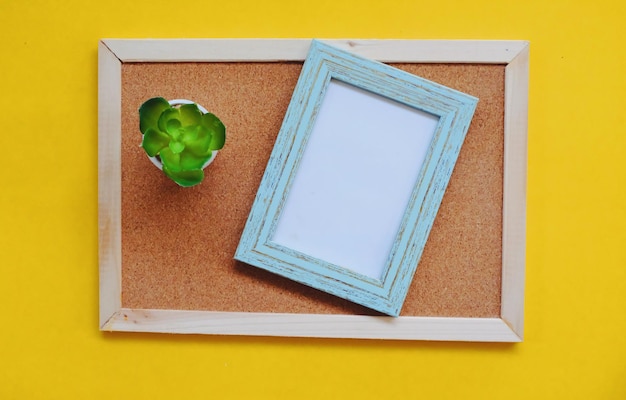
575 338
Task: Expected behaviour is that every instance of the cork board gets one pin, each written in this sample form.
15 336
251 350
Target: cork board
177 243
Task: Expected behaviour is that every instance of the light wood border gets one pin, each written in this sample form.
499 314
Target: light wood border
508 328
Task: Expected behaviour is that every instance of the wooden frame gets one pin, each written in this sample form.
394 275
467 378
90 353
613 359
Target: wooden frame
507 328
352 189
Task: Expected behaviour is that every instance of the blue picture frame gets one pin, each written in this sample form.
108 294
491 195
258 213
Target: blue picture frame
265 244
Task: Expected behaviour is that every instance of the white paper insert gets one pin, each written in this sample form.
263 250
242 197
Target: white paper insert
355 179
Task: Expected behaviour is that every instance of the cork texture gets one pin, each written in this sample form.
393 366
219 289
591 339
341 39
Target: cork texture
178 243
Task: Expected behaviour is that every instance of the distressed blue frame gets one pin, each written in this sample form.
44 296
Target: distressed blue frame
455 111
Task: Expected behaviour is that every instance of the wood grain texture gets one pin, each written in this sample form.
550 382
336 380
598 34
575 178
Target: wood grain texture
514 210
241 50
109 182
312 325
168 280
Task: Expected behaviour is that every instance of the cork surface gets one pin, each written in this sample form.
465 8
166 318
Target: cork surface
178 243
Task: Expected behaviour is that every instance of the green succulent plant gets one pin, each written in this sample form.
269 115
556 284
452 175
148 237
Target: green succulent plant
183 138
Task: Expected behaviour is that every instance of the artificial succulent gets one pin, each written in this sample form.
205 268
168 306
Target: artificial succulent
183 137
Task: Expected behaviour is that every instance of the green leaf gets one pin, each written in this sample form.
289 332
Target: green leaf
199 146
154 141
176 146
169 122
185 178
190 134
189 115
149 113
173 126
170 160
190 161
217 129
